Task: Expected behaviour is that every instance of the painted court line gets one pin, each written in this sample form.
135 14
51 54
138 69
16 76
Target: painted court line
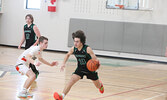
2 73
154 97
129 91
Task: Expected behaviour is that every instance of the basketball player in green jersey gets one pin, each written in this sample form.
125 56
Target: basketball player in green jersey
83 53
30 35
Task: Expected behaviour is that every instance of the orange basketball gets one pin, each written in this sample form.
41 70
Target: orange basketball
92 65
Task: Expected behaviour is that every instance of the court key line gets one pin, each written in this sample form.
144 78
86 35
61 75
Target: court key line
129 91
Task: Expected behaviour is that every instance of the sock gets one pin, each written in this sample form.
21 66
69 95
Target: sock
63 95
100 85
24 90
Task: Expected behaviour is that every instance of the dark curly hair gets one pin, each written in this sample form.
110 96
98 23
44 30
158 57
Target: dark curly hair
79 34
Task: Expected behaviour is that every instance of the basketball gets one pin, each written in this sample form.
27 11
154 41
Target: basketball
92 65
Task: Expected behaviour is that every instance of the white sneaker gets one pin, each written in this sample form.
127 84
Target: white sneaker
22 95
29 95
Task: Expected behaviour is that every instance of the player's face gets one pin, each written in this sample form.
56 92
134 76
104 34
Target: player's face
44 44
28 20
77 42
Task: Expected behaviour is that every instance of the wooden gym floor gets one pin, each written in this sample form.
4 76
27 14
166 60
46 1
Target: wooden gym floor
122 79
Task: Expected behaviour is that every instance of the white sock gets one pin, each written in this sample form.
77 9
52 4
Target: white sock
63 95
24 90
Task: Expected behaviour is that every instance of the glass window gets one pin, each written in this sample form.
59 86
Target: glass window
32 4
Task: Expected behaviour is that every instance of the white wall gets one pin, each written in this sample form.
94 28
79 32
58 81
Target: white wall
52 25
55 25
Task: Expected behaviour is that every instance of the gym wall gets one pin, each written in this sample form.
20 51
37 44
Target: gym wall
56 25
123 37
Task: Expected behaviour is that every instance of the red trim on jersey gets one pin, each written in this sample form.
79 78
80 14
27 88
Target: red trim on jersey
17 68
23 59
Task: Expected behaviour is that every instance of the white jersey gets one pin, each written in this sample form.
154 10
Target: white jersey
34 51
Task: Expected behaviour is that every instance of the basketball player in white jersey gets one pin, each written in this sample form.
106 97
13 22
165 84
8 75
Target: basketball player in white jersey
22 65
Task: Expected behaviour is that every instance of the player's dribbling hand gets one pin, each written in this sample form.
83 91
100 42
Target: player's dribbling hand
62 67
98 63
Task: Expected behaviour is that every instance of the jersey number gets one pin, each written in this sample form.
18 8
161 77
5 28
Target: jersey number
27 36
82 61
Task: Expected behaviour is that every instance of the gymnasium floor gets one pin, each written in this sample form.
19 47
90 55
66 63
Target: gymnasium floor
122 79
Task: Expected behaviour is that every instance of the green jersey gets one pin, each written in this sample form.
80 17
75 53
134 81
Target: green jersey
30 35
82 57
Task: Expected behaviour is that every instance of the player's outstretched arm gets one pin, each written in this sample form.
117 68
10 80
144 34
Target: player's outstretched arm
66 58
55 63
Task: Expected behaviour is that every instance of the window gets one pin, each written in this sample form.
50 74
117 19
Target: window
128 4
32 4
